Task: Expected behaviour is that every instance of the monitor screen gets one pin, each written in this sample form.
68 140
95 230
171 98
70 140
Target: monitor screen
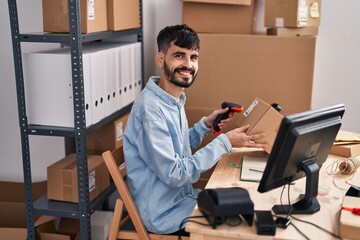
302 145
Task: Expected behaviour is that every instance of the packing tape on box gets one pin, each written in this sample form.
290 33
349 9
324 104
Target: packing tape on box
350 165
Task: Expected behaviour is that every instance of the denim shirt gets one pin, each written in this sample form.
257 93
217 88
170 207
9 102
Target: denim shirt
159 161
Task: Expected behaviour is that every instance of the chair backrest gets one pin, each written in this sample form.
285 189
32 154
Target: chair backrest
126 199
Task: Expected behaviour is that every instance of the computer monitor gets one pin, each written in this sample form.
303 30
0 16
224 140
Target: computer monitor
302 145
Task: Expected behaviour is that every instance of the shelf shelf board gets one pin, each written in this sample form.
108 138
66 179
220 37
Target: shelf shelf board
65 37
44 206
70 132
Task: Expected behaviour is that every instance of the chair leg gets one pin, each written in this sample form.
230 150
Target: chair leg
118 211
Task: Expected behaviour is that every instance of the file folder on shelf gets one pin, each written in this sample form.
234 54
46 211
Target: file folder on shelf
48 88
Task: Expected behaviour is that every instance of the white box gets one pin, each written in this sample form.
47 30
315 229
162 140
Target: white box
100 224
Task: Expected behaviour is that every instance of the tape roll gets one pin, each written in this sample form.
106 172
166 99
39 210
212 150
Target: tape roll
349 166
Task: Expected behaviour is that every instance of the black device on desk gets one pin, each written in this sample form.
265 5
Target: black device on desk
217 204
233 107
302 145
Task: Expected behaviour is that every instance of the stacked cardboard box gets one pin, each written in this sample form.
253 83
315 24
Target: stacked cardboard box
96 16
12 209
63 180
219 16
292 17
238 66
347 144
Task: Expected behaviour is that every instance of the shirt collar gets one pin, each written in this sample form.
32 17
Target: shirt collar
152 85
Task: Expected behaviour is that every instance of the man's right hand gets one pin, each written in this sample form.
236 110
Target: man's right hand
238 138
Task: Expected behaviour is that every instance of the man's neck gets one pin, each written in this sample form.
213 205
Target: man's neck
170 88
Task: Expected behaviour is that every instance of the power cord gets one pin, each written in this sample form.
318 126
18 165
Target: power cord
300 220
229 220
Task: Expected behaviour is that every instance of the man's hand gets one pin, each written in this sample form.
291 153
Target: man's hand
238 138
211 118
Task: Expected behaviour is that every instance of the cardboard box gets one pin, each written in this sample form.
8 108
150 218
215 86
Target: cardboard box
68 229
219 16
100 224
12 209
349 222
109 137
63 180
293 32
262 117
346 150
118 154
123 14
238 68
56 18
292 13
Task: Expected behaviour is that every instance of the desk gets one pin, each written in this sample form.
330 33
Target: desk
225 175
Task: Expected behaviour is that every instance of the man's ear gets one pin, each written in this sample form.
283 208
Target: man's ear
159 59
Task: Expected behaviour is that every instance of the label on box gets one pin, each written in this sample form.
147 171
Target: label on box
91 10
250 108
302 13
91 181
279 22
314 10
119 131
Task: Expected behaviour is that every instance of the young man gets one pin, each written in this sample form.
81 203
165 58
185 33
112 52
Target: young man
158 142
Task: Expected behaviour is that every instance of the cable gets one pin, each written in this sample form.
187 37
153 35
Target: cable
317 226
299 231
188 219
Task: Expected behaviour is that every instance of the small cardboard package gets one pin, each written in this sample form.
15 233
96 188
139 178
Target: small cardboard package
56 16
109 137
292 13
262 117
347 144
350 222
63 181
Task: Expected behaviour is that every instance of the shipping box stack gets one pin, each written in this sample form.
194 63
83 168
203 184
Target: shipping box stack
292 17
238 66
219 16
347 144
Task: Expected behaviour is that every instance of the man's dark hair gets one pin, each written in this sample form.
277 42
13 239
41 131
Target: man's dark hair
181 35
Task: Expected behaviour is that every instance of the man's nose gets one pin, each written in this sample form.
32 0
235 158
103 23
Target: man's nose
187 62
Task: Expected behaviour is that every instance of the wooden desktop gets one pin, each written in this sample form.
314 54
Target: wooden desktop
332 188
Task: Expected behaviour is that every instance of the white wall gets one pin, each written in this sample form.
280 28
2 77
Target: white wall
336 78
337 63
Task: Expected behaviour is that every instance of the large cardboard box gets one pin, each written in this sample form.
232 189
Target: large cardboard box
292 13
350 222
12 209
219 16
56 18
123 14
238 68
109 137
262 117
63 180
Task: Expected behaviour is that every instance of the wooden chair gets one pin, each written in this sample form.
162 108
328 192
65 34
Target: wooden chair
126 201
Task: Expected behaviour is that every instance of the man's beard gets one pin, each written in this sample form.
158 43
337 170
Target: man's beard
187 82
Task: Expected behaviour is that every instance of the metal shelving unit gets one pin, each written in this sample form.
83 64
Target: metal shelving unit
75 40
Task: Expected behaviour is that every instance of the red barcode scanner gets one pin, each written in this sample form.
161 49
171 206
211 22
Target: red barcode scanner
232 108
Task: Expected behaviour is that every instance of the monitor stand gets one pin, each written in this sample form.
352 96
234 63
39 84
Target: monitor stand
308 204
